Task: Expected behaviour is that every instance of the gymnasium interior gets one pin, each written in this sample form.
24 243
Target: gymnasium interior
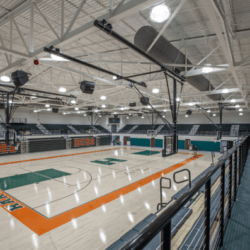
124 124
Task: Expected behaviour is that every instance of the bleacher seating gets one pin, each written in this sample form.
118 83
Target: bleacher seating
206 129
58 128
28 128
143 128
126 128
244 129
184 129
101 129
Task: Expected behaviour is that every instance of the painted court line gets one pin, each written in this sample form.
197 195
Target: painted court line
41 225
57 156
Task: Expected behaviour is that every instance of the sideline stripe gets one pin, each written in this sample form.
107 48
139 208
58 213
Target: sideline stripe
57 156
41 225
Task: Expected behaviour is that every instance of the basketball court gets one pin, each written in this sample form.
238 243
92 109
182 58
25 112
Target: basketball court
90 197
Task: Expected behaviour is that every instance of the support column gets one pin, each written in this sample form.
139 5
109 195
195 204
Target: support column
174 116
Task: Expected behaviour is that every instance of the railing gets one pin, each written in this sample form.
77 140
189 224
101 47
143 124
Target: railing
216 191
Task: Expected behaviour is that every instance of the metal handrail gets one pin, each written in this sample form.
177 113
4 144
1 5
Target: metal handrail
163 221
189 177
161 187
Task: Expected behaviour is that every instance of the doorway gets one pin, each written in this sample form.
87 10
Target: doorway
187 143
152 142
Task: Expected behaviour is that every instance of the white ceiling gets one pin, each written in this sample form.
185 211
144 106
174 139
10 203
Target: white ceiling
197 30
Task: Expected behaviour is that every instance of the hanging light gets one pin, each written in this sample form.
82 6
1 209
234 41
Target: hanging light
240 113
207 69
35 111
103 106
209 111
103 97
64 113
225 91
73 101
186 115
233 100
62 89
178 99
5 78
237 106
76 108
214 114
47 105
155 90
160 13
240 109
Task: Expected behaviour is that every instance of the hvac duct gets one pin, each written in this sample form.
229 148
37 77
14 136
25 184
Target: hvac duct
165 52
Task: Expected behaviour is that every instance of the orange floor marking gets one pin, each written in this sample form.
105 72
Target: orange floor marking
41 225
57 156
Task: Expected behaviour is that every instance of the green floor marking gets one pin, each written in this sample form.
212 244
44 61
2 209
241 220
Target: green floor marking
20 180
146 153
103 162
114 159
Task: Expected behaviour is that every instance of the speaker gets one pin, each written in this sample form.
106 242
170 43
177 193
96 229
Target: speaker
54 110
144 100
87 87
189 112
132 104
19 78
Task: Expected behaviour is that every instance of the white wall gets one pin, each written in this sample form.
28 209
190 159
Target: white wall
48 117
232 117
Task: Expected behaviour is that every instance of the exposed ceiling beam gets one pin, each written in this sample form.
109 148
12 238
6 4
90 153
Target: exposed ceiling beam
212 12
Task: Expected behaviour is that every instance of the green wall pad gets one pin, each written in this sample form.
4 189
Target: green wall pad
147 153
140 142
114 159
20 180
158 143
103 162
207 145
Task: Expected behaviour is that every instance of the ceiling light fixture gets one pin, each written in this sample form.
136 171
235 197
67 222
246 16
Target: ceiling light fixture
103 106
207 69
186 115
62 89
76 108
103 97
47 105
35 111
233 100
155 90
237 106
225 91
5 78
58 58
240 109
214 114
160 13
209 111
240 113
73 101
178 99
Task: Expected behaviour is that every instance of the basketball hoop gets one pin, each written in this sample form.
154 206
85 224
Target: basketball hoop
91 131
152 133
